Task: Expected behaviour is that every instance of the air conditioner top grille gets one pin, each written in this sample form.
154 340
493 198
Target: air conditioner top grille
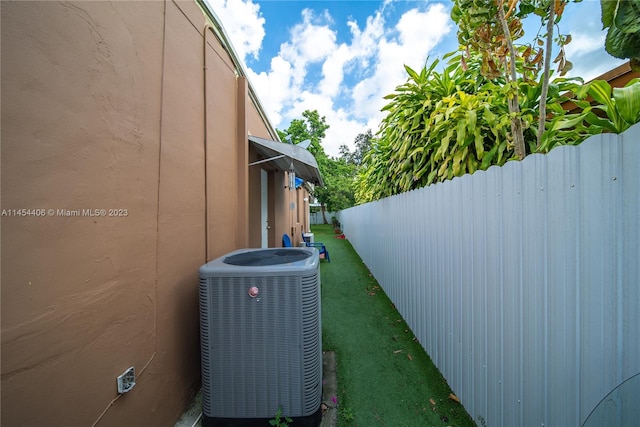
267 257
261 262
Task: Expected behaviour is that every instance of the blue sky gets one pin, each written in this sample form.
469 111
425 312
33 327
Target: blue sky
341 57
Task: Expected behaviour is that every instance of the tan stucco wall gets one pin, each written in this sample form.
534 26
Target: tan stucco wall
80 114
103 107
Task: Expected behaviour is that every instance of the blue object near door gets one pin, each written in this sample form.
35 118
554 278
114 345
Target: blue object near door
286 242
320 246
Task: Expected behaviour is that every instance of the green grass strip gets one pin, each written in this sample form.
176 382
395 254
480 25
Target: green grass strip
385 378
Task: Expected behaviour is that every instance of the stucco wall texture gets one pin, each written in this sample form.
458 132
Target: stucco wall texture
117 106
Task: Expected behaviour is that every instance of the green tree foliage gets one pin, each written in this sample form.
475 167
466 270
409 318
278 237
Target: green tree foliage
373 180
351 164
621 18
362 145
616 110
482 109
311 126
485 27
490 28
338 174
445 124
551 12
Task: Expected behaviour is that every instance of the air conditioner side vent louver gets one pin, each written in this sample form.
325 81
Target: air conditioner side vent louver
205 343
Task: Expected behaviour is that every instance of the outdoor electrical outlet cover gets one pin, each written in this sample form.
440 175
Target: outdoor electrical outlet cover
127 380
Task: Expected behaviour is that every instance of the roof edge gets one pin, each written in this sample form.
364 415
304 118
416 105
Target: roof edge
218 30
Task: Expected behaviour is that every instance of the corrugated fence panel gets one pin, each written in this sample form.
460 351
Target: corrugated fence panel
521 282
630 270
536 196
478 295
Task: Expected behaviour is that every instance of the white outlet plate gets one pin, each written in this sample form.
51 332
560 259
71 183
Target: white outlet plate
127 380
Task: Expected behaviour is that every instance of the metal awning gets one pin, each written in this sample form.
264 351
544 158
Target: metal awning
280 155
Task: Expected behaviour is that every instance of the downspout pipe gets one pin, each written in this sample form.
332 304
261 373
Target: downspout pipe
207 28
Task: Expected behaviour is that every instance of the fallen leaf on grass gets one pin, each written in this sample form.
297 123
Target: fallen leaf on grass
454 397
409 357
397 351
433 402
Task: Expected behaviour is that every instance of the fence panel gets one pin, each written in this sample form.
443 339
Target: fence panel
521 282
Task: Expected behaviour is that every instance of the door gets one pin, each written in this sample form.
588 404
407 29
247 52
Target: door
264 207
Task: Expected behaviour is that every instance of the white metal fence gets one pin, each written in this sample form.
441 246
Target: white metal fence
316 217
521 282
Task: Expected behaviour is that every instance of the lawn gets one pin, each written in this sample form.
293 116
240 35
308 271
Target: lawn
385 378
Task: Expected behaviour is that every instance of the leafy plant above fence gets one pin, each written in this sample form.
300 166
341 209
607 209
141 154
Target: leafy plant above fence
620 106
442 124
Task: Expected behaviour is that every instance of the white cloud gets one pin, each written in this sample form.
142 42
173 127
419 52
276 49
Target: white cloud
344 81
243 23
586 50
343 131
346 76
418 33
364 43
311 41
588 56
333 70
583 43
273 87
285 88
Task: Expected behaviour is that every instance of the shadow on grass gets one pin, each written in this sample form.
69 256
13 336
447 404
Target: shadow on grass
385 378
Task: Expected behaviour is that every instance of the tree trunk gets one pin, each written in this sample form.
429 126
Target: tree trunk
545 76
324 217
514 106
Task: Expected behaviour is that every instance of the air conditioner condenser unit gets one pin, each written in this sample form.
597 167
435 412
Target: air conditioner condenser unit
261 337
